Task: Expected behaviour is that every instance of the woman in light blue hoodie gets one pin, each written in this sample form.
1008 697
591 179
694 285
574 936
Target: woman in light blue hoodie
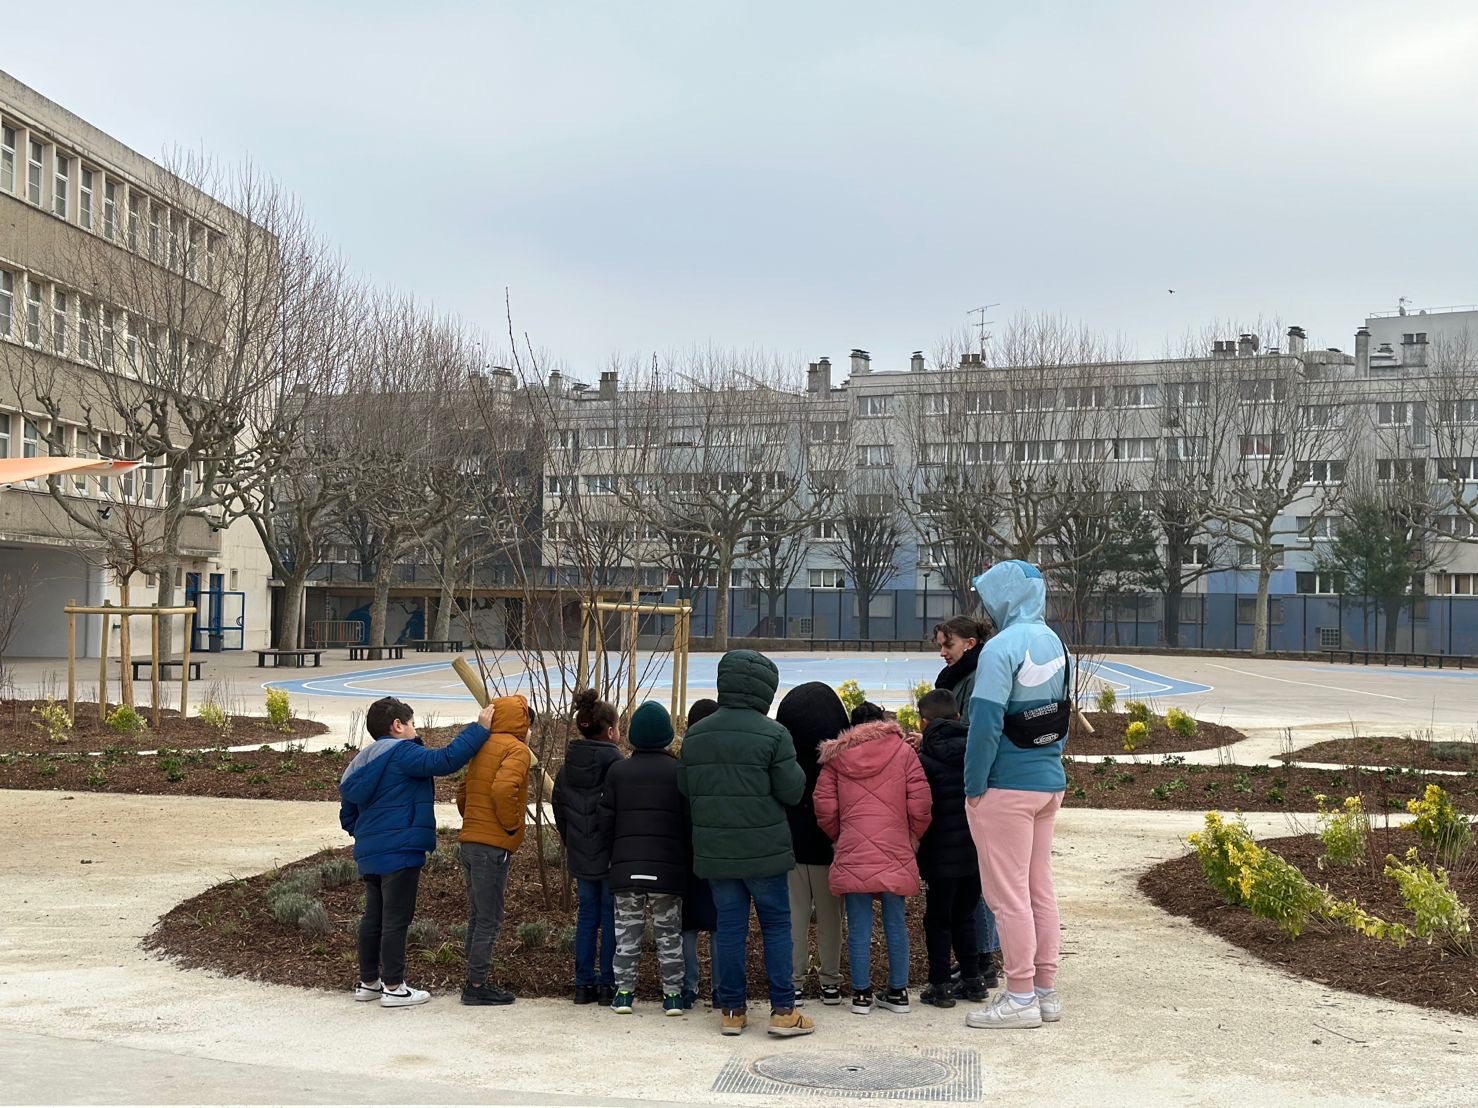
1014 782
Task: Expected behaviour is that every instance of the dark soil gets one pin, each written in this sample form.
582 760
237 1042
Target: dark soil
1168 784
1387 750
1336 956
21 731
1109 728
229 929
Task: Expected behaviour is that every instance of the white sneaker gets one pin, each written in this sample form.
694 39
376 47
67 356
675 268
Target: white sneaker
374 990
1051 1006
1004 1012
404 997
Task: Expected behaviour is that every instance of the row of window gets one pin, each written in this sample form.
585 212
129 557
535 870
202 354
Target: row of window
24 437
46 174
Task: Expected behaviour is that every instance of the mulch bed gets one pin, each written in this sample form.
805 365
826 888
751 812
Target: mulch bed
1336 956
1109 728
1171 784
1388 750
230 930
21 731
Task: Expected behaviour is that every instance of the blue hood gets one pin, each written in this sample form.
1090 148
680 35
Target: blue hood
1013 592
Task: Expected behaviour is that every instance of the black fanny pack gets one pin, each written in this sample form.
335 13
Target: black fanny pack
1046 723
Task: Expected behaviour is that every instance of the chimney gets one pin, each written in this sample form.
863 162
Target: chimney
556 382
1246 345
1362 352
823 376
916 363
1414 349
811 378
608 384
1223 348
1296 340
861 362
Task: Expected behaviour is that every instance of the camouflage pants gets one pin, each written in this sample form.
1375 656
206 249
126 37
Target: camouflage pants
667 926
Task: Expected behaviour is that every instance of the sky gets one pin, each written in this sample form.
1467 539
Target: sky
808 177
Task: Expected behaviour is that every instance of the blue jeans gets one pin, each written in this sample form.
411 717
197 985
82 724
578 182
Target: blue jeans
597 918
986 937
771 897
690 963
859 939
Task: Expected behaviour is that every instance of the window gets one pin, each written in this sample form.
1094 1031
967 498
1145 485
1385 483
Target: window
33 172
149 482
86 319
827 531
131 345
110 210
993 400
600 484
1260 446
1319 417
827 579
84 198
1250 557
212 248
1189 394
176 238
1247 610
1401 469
61 191
155 238
1036 400
33 313
7 302
1392 413
556 485
7 158
1458 411
135 217
1039 451
1317 584
875 457
874 504
1080 398
875 406
1263 390
107 338
1455 584
1451 524
1086 450
997 452
1326 473
1134 450
1136 396
1318 530
1195 554
4 435
30 439
1453 469
599 438
936 403
1185 449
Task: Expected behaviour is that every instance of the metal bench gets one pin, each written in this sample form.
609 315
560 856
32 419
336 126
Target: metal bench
165 664
426 646
375 653
1403 658
297 657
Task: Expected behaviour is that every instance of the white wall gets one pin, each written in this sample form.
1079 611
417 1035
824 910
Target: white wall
60 575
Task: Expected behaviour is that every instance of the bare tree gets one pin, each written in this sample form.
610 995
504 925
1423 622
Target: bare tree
1448 394
872 531
776 555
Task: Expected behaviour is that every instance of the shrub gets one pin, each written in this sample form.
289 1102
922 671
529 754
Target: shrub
279 709
549 845
54 720
1220 846
444 856
306 881
337 871
315 920
48 769
1443 830
424 932
1138 711
1181 722
289 907
1440 915
215 717
1135 734
125 720
565 939
921 690
98 778
1343 832
1108 700
908 718
852 694
533 933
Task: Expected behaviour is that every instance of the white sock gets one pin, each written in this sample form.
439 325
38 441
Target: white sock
1045 992
1021 1000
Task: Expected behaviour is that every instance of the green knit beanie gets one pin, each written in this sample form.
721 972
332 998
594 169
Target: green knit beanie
651 727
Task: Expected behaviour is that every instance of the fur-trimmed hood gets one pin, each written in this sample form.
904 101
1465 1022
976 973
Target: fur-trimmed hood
863 751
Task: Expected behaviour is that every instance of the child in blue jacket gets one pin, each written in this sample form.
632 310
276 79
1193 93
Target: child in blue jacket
388 806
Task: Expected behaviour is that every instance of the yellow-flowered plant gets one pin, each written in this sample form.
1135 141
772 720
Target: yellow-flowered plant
1441 827
1440 915
1343 831
1181 722
1135 735
852 694
1255 877
908 718
921 690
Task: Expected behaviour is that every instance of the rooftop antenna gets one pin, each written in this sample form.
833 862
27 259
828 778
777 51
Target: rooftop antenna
981 323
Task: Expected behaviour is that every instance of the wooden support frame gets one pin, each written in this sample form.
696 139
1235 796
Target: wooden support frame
126 611
633 609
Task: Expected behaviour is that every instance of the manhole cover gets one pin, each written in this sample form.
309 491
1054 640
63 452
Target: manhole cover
928 1074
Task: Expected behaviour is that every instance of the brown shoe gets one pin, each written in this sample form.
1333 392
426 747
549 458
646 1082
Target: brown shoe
733 1021
790 1022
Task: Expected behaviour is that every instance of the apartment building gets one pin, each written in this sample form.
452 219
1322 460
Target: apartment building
94 239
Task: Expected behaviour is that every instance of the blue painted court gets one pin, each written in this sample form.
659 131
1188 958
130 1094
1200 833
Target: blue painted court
887 678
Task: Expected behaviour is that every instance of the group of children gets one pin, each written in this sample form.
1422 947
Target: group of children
810 815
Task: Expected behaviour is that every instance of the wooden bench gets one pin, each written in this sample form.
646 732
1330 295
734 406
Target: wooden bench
375 653
1403 658
296 657
425 646
165 664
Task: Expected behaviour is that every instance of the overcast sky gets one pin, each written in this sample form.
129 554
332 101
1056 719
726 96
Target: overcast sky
809 176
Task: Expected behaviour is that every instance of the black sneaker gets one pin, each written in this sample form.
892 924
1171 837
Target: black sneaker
690 998
954 972
940 996
895 1000
988 976
486 993
831 995
862 1001
974 989
586 994
605 994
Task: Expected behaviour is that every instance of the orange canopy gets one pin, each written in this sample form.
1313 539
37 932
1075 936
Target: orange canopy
15 470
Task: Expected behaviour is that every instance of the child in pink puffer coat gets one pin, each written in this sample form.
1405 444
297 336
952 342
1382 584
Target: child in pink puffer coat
873 800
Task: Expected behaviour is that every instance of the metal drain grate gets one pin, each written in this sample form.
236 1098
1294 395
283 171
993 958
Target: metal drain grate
929 1074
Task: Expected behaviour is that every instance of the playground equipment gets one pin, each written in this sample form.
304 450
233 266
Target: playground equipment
592 648
107 610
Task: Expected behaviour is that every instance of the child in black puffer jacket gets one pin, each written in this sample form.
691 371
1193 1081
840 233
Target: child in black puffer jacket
576 800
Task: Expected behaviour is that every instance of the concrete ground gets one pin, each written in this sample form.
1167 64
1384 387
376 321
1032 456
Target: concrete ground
1156 1010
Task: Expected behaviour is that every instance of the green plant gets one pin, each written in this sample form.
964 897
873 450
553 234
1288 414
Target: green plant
97 779
214 717
315 920
1242 783
307 881
1440 915
337 871
549 845
921 690
289 907
48 769
1343 831
533 933
1138 711
1275 796
564 939
1108 700
1443 830
424 932
852 694
448 954
54 721
125 720
908 718
1181 722
1078 792
1251 875
279 709
1135 734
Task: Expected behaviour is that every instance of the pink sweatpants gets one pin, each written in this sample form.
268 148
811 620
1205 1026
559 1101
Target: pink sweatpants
1012 829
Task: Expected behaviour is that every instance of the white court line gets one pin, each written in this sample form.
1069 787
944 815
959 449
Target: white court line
1310 684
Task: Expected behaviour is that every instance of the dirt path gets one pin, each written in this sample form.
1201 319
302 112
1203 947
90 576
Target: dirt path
1156 1010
